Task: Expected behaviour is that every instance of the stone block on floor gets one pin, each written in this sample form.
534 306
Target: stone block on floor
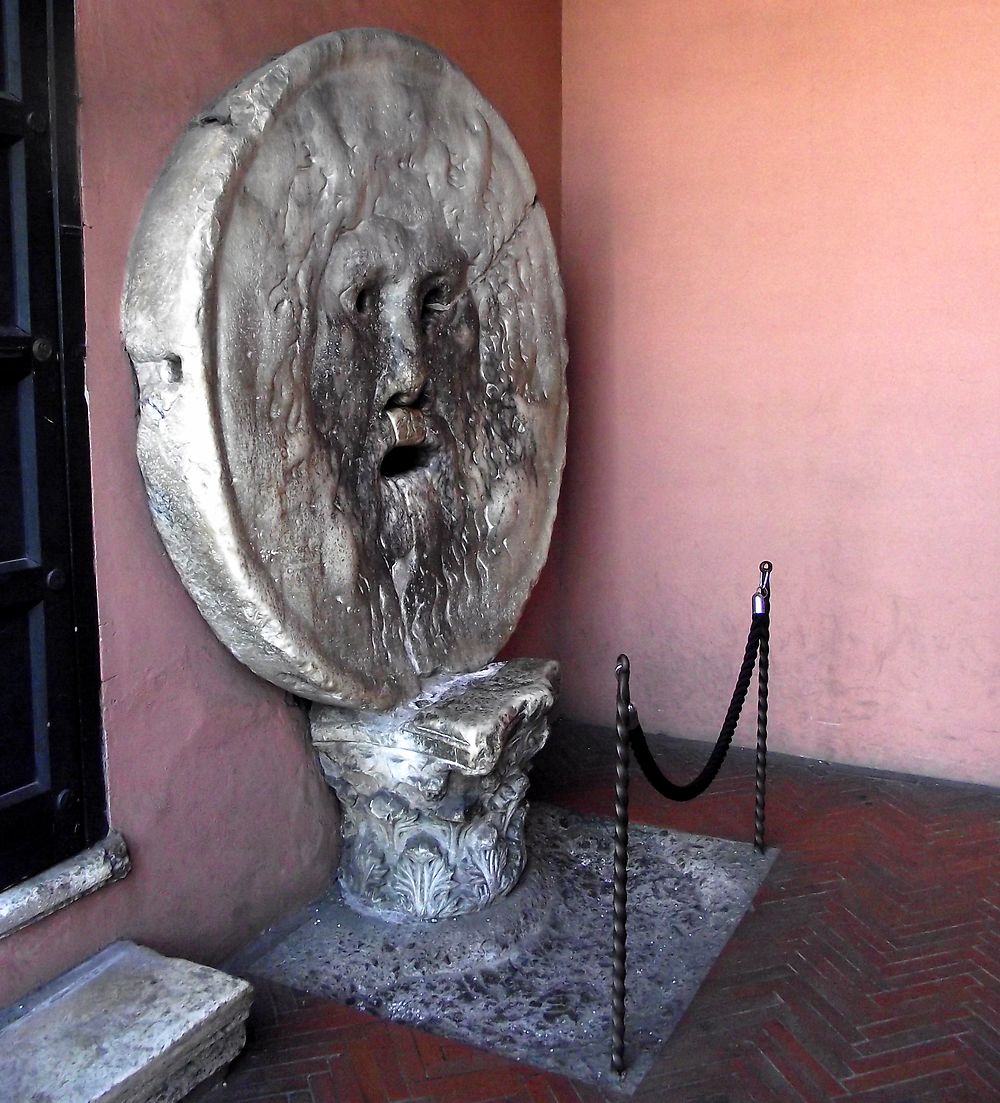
126 1026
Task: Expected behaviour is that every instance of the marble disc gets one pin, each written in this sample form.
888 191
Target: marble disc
344 311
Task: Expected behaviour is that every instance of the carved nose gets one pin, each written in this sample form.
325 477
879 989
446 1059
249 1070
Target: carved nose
408 392
406 373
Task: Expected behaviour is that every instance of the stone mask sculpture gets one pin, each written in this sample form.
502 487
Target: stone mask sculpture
345 316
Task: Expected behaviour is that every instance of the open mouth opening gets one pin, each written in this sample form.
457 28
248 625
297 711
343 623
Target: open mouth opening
404 459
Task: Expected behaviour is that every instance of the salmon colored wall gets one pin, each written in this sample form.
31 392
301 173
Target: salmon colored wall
209 773
781 243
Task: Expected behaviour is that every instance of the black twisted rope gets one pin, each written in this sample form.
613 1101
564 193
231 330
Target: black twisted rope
644 756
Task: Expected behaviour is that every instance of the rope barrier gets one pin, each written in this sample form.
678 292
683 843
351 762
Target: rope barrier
631 738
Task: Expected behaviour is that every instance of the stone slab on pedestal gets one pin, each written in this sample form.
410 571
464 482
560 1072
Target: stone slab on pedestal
127 1026
433 790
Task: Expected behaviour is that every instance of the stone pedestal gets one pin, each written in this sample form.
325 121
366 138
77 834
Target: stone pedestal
433 791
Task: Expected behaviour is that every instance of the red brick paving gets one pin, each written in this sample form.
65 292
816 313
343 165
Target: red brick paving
869 968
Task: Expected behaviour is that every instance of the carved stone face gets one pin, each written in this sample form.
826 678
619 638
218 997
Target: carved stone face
345 316
397 306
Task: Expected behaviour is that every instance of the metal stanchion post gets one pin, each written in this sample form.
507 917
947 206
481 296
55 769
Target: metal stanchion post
620 871
762 609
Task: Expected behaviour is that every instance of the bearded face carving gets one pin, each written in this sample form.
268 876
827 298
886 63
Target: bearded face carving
344 312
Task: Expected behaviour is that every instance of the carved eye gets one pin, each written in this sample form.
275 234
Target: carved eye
437 301
364 300
360 300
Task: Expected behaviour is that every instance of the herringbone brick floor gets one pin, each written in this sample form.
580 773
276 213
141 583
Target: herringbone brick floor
869 968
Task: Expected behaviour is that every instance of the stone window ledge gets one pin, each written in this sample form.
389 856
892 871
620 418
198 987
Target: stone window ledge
40 896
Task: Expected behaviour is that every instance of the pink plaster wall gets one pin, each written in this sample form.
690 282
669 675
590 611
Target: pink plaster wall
781 241
209 773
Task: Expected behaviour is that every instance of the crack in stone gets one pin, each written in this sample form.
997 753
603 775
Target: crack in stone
503 246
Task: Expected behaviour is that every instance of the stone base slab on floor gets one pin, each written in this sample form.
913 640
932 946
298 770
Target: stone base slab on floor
530 977
126 1026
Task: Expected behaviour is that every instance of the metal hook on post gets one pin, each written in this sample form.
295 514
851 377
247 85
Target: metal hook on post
762 598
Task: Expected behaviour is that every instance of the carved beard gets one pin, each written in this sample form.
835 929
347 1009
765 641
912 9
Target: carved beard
408 522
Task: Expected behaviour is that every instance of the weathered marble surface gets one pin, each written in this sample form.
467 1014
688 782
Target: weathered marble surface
530 978
433 791
127 1026
345 315
65 882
